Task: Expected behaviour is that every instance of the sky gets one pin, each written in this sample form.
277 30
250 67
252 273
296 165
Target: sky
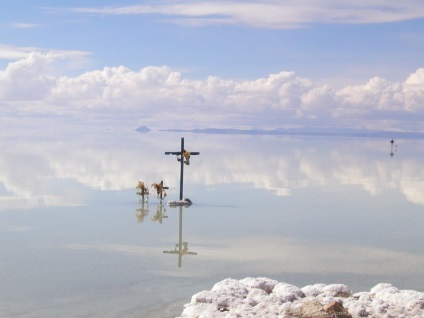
195 64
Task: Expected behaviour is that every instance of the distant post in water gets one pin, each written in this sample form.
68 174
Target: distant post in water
183 157
391 149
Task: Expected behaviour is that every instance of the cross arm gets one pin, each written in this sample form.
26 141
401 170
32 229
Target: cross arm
173 153
177 153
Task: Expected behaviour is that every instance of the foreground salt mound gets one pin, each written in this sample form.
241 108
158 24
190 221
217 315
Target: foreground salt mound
264 297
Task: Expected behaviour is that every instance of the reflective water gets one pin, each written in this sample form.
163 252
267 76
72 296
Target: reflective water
76 241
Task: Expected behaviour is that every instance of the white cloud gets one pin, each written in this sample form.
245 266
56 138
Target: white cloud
380 94
24 25
414 91
273 14
11 52
277 91
31 77
27 79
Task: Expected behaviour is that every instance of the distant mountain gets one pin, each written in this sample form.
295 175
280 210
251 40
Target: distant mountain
143 129
305 131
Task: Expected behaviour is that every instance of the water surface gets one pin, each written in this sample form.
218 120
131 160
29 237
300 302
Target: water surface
76 241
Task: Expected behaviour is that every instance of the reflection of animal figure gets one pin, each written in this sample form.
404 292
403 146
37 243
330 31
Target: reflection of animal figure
142 189
184 249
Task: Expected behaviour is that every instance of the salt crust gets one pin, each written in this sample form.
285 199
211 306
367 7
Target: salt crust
264 297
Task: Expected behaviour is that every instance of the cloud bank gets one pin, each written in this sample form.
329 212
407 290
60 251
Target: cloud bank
270 13
166 98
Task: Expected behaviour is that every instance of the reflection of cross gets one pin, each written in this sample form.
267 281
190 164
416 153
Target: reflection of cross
160 214
183 157
182 247
142 211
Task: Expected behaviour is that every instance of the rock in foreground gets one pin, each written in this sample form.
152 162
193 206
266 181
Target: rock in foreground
264 297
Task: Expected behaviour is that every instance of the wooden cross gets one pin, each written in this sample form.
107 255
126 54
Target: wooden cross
160 190
183 157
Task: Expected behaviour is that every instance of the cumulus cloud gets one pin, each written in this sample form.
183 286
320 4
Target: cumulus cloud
27 79
31 77
159 93
272 14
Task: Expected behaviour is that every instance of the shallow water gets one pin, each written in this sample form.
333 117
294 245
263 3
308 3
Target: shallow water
76 241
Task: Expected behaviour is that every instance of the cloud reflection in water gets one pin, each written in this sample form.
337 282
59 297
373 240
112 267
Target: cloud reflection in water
56 173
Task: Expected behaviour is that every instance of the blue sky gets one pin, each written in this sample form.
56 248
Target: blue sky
222 63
